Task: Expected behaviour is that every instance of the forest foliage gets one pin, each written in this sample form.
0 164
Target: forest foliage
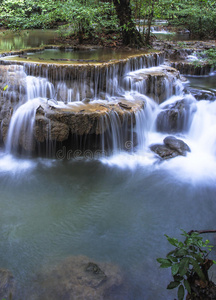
92 17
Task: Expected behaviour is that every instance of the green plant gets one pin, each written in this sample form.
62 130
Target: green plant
206 57
187 261
181 44
210 56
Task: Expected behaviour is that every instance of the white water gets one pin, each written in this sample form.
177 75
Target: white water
200 136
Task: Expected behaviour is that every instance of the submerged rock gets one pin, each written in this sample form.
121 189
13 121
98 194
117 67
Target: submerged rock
79 278
7 284
172 147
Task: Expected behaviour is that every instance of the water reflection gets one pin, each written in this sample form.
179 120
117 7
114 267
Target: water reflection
33 38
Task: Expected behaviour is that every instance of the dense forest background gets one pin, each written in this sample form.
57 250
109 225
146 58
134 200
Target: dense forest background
112 19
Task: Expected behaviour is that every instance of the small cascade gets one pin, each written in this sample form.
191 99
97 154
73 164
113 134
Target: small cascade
20 132
159 83
39 87
176 114
189 68
118 135
203 127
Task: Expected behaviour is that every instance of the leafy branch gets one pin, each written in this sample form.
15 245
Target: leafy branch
187 261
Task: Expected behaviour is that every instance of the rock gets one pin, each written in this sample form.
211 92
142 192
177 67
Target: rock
60 124
201 94
40 110
172 147
163 151
45 129
188 68
12 83
175 117
158 83
86 100
7 284
177 145
124 105
78 278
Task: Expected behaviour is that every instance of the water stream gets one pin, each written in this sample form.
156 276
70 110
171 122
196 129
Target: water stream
116 208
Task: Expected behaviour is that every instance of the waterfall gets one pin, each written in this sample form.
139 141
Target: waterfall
39 87
20 132
203 127
126 107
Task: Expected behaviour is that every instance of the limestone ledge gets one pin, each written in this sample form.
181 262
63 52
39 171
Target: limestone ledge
56 123
158 83
189 68
96 71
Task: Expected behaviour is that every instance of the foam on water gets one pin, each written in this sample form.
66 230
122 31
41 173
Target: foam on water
198 166
11 164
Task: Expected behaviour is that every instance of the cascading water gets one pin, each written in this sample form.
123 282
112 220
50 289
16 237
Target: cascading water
151 84
69 88
54 209
20 132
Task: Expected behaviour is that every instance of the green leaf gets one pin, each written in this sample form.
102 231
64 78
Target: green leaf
175 269
181 292
163 260
183 266
197 268
197 257
187 286
181 253
172 258
166 265
172 241
5 88
173 285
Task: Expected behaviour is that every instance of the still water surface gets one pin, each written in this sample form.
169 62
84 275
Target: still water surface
54 209
10 41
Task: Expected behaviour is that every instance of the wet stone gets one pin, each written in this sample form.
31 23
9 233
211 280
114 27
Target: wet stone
163 151
176 144
175 117
171 148
202 94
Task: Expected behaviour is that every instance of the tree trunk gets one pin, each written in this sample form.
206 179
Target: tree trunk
130 34
150 17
